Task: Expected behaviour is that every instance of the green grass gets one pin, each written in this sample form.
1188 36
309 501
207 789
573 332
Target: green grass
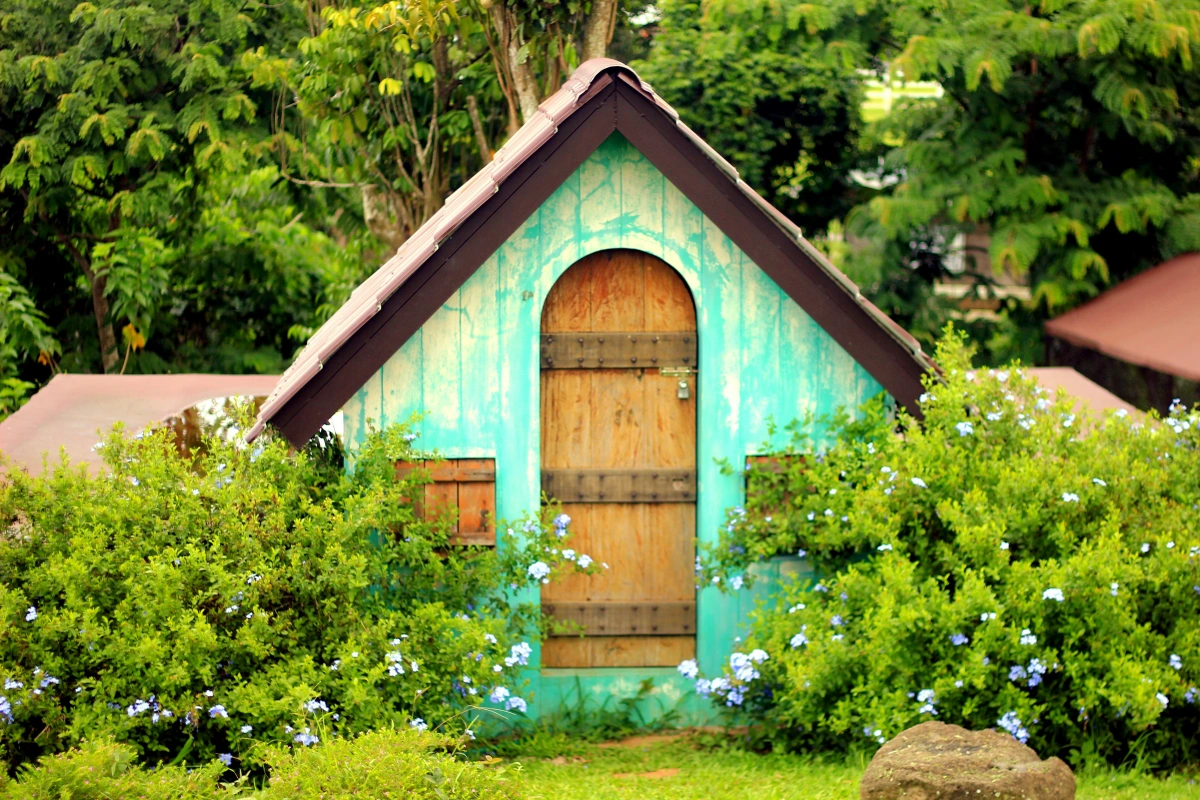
601 773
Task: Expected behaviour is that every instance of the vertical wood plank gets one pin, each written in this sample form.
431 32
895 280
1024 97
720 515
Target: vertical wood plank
476 500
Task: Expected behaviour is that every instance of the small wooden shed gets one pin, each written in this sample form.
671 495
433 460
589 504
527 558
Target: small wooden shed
605 312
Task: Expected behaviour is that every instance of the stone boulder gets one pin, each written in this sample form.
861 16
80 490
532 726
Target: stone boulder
946 762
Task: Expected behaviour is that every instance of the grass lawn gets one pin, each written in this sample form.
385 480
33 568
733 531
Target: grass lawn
648 768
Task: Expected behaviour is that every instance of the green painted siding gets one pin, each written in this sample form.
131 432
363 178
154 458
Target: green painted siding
472 370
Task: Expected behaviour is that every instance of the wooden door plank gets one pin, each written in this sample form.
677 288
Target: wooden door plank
566 439
668 301
568 305
618 280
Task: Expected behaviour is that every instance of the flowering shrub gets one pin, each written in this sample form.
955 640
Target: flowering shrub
194 610
383 764
1007 562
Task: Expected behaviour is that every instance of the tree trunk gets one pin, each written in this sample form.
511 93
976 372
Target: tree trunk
524 82
598 29
104 328
383 218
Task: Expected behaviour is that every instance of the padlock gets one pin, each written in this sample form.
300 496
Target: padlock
682 392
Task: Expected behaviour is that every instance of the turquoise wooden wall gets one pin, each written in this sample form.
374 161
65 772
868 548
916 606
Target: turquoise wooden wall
472 370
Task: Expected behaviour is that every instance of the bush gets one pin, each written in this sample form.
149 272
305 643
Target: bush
196 609
1007 562
382 764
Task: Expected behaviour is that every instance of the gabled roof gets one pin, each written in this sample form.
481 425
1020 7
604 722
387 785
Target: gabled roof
601 97
1152 319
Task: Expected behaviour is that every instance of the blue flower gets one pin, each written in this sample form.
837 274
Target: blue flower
688 669
305 738
958 639
1175 661
836 620
225 758
801 553
516 704
1113 588
799 640
538 570
218 711
1190 695
31 614
736 582
1016 673
247 728
1027 637
964 428
1012 723
6 709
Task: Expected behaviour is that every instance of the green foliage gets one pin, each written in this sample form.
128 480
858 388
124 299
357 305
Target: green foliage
788 118
1006 555
129 134
580 719
251 596
412 763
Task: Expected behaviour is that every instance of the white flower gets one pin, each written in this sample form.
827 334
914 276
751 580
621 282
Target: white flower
538 570
1070 497
1162 698
1004 545
688 669
964 428
1145 547
1099 482
884 547
31 614
1053 594
919 482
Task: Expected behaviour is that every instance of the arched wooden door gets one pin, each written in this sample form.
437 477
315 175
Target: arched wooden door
619 451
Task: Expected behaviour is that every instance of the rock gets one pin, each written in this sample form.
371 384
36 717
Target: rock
936 760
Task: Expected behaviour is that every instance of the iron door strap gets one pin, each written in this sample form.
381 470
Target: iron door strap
642 618
614 350
620 485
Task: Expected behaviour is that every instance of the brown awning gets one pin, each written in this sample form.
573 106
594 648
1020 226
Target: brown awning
1088 392
1152 320
75 411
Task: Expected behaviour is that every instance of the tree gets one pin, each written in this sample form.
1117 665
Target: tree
135 212
767 99
1067 131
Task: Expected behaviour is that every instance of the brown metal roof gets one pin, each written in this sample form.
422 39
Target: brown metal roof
1152 319
1088 392
359 327
75 411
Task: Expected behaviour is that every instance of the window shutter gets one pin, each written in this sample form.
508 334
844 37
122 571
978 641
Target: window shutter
465 484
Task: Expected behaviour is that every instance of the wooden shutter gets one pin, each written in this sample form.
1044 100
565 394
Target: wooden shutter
465 484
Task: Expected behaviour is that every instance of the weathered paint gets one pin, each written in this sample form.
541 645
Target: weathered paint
473 371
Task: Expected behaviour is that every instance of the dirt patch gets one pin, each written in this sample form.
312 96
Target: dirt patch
564 760
669 772
644 741
648 739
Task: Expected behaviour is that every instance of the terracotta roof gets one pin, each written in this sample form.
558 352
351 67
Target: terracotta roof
1152 319
369 297
1088 392
75 411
